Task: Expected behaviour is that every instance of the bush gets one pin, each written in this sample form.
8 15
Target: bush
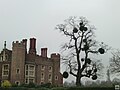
6 84
47 85
31 85
59 88
23 85
91 88
14 85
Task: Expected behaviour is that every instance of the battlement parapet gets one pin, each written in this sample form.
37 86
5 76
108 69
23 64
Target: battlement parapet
18 44
55 56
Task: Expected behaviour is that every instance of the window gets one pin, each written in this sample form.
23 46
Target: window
30 70
29 80
50 77
42 82
5 70
26 67
26 80
5 73
29 73
17 71
42 67
56 77
6 57
6 67
42 76
26 73
17 82
31 67
50 69
1 58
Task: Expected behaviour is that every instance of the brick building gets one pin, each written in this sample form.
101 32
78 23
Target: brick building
19 66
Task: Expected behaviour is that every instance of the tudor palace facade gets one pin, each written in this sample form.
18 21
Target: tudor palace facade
20 66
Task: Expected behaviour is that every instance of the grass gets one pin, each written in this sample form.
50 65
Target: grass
60 88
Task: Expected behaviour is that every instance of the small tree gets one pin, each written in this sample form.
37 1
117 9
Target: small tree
78 48
6 84
115 62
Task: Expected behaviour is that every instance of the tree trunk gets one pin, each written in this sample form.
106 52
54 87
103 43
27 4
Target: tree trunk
78 80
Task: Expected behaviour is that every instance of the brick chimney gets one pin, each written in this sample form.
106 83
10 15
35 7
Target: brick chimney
44 52
25 42
32 49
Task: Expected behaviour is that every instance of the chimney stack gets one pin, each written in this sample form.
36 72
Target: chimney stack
25 42
32 49
44 52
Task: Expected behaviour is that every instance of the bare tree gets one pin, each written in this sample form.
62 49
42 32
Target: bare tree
115 62
78 48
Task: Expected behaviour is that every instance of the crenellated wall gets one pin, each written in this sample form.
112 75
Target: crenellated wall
18 62
57 80
19 59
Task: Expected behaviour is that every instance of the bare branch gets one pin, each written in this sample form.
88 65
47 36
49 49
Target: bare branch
70 66
115 62
81 42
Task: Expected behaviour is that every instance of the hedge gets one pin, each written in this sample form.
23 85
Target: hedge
60 88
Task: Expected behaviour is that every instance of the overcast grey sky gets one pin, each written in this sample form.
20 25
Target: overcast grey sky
37 18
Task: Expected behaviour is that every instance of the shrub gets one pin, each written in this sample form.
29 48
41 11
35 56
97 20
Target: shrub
59 88
91 88
6 84
31 85
47 85
14 85
23 85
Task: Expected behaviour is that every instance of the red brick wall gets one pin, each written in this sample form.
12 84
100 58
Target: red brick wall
18 61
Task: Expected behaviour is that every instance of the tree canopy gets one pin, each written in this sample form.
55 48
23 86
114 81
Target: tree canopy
81 44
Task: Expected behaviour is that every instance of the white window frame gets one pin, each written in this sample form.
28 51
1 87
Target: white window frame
28 77
42 76
18 82
50 70
28 65
1 58
42 67
50 79
5 70
32 79
18 72
32 70
28 80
